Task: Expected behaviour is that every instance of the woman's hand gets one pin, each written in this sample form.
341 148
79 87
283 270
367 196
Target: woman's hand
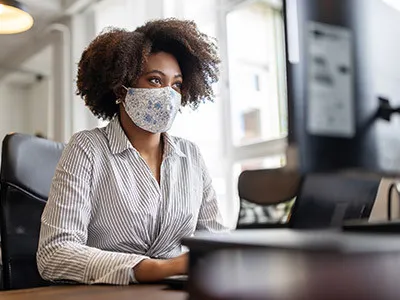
180 264
157 269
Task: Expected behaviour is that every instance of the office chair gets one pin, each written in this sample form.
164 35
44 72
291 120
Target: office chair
27 168
261 190
322 200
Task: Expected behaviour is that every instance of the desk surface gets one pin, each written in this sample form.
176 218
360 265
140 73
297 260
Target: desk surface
143 292
285 275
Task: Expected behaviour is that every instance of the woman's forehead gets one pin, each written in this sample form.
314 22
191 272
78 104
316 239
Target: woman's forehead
164 62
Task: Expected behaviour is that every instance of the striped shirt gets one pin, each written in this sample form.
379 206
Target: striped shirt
106 212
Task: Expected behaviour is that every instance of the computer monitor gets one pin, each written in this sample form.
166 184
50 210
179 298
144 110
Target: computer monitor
343 64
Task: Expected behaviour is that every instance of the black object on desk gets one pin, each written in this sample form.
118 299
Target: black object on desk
323 200
178 282
328 200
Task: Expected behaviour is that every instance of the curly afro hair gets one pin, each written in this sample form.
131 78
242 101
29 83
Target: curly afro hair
117 57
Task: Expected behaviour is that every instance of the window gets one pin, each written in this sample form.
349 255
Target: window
271 162
254 73
252 42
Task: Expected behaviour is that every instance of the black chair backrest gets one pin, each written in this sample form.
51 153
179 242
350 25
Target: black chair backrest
260 190
268 186
327 200
27 168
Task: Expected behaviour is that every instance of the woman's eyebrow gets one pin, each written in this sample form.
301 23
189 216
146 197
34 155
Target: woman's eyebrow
162 73
155 71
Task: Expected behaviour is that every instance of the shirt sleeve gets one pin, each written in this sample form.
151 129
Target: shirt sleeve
63 253
210 216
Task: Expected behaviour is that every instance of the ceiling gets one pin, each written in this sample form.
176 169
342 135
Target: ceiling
44 13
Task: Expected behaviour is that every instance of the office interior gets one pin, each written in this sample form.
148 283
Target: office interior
245 128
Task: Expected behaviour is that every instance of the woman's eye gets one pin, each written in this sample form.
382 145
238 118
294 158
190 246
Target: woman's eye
155 80
178 85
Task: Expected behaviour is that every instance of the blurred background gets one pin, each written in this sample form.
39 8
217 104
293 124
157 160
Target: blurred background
245 127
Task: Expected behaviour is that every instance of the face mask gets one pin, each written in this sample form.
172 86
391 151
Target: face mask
153 110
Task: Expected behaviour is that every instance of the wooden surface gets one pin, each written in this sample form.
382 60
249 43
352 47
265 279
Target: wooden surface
132 292
286 275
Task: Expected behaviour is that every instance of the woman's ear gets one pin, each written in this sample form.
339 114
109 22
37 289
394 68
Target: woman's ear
120 92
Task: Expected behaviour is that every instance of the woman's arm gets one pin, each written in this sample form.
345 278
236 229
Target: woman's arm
62 252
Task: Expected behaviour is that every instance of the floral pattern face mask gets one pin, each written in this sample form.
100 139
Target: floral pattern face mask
152 109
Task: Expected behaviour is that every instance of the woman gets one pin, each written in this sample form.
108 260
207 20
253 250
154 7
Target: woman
123 196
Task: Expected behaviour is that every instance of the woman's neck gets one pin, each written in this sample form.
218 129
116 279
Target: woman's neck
148 144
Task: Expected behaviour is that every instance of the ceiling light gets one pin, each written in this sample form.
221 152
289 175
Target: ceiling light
14 17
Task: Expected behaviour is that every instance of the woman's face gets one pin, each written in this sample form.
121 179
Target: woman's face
162 70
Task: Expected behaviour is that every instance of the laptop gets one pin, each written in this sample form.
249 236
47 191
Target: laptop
329 200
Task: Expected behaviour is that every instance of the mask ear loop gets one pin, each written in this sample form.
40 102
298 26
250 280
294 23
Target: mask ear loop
119 101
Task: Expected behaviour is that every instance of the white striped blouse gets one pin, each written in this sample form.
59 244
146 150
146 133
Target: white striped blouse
106 212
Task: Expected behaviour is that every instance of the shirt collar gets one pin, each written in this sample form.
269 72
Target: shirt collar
119 142
170 147
117 137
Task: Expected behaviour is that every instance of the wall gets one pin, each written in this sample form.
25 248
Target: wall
39 108
13 102
82 31
24 109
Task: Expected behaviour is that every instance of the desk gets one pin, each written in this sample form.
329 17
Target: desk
275 275
84 292
323 242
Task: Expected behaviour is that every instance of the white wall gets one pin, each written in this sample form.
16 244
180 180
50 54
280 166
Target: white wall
38 98
24 109
126 14
82 31
13 108
35 113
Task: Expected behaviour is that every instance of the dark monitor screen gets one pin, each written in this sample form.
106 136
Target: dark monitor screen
343 61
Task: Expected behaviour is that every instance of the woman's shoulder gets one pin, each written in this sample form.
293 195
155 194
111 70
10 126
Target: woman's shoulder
88 138
187 147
